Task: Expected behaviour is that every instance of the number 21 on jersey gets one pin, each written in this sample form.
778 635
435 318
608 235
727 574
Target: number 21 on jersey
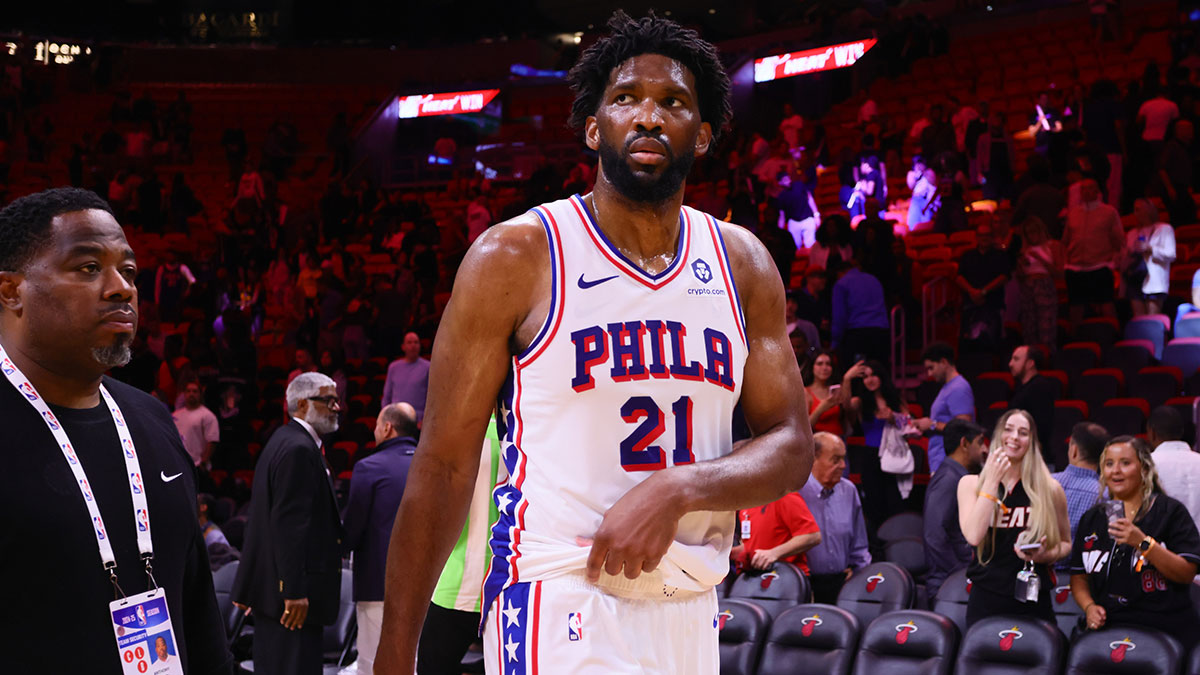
637 453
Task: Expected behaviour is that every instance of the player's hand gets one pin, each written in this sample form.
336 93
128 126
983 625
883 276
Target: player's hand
294 613
636 531
763 559
1096 616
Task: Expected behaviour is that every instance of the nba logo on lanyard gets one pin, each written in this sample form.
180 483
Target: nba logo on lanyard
8 367
51 420
71 457
99 529
136 481
143 520
87 491
27 389
128 445
117 416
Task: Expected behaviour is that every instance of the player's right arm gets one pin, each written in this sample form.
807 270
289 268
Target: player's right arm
500 285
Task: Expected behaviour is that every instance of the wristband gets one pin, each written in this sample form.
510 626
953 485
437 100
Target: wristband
1003 508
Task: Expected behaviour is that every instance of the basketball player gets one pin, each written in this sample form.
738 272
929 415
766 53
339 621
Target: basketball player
618 330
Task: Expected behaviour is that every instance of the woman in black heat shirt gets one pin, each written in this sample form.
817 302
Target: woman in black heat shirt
1013 503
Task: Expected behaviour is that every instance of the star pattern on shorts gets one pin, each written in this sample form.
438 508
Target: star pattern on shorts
511 647
503 500
512 616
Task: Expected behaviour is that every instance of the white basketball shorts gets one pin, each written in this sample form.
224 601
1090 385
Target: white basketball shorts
568 625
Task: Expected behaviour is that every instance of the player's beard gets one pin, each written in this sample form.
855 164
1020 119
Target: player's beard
115 355
642 186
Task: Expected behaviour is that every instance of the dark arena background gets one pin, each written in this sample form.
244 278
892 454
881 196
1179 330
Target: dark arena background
300 181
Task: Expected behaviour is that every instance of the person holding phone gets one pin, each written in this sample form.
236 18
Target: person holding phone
825 396
1015 515
1137 551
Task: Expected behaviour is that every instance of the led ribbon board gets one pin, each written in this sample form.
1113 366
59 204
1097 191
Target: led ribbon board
810 60
450 103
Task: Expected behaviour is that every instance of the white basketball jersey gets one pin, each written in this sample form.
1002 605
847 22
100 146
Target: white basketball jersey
631 373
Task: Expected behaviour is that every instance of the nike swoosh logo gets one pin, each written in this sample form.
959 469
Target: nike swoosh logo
588 284
168 479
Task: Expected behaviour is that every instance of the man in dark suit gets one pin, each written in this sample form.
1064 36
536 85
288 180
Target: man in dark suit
375 492
291 569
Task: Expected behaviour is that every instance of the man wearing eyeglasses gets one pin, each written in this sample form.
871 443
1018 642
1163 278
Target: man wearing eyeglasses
290 575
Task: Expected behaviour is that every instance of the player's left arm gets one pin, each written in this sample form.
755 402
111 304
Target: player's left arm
640 526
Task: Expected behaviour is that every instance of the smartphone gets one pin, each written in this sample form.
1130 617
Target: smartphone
1029 547
833 388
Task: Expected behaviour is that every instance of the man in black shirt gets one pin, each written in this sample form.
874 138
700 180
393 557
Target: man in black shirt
982 273
68 314
1035 394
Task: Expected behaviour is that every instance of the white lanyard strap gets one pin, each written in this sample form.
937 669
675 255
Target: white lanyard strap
141 513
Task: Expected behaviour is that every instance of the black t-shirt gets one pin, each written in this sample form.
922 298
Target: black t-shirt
1126 594
982 268
56 589
1037 398
999 575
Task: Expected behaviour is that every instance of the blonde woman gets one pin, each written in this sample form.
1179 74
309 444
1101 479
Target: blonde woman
1135 565
1015 515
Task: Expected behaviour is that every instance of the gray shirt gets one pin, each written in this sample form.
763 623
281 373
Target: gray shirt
407 383
843 532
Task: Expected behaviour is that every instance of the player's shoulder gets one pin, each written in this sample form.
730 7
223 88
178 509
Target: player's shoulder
512 240
745 251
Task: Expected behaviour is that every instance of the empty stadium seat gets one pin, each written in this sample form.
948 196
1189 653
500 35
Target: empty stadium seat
909 553
989 416
1153 328
951 599
811 638
908 642
223 586
876 589
782 587
1066 415
1184 354
1186 405
1119 650
1101 330
1095 386
901 525
1125 416
1067 612
1076 357
741 629
1188 325
1001 645
990 388
1156 384
1060 378
1130 356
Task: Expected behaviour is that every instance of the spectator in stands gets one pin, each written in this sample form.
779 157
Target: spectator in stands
1034 393
1104 126
996 157
1015 515
780 531
1136 568
198 426
220 551
1094 240
1178 465
790 126
1039 263
812 302
833 502
963 115
923 182
876 405
825 395
1080 480
834 245
982 275
1044 122
376 487
860 319
1040 198
1155 116
303 362
408 377
798 212
1149 252
945 548
171 284
291 569
1175 170
938 137
479 217
954 399
870 183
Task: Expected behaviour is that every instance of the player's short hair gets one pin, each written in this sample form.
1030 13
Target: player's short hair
306 385
1090 438
25 223
629 37
1166 422
957 430
938 351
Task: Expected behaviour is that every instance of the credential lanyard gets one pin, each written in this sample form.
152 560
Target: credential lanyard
141 513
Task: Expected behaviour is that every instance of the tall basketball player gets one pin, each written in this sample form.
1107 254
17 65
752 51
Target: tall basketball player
615 332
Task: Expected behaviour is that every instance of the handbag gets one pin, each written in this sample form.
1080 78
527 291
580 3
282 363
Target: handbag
895 457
